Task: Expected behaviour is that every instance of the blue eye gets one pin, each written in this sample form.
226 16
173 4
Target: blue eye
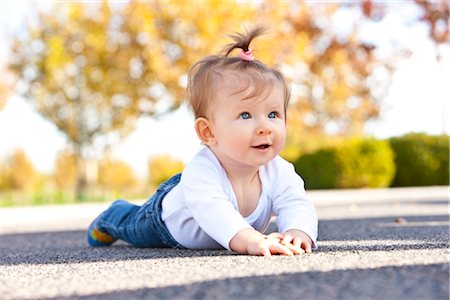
273 115
245 116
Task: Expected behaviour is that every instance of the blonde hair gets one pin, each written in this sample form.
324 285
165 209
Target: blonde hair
205 76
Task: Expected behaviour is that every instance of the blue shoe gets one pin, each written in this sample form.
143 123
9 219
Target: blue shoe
97 238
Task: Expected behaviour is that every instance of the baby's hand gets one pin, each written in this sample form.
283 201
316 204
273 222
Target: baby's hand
271 244
299 239
289 241
250 241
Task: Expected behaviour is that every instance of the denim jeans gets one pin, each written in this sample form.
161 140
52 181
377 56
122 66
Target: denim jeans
141 226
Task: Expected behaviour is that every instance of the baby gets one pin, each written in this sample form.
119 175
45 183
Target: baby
226 195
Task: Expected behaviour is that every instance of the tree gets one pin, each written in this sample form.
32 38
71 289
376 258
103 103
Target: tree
4 91
116 175
84 71
65 170
7 80
436 14
340 78
162 167
17 172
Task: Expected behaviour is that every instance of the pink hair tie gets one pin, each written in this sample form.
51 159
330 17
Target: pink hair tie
247 55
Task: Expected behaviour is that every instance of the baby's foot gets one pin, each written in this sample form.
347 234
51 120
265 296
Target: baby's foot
98 238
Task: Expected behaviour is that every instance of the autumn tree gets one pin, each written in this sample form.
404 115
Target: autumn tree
116 175
161 168
7 80
65 175
338 79
4 91
436 14
83 68
17 172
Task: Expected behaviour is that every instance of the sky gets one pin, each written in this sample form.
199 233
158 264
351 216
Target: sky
417 101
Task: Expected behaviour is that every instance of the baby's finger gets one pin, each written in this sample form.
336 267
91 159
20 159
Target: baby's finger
280 249
306 246
293 243
295 249
266 251
297 242
287 239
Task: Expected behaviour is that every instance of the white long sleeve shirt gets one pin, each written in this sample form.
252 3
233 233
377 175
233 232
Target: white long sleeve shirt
201 212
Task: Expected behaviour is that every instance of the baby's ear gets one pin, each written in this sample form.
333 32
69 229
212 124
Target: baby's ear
204 131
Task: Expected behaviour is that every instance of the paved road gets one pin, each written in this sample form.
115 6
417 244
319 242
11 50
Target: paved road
374 244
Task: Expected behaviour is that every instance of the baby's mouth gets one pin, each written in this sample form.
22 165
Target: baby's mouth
262 146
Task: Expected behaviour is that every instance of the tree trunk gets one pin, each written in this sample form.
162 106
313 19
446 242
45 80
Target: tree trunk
80 191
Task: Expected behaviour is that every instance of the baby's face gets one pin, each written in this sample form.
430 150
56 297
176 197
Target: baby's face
249 131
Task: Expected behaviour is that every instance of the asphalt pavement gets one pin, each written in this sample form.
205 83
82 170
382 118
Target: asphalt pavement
373 244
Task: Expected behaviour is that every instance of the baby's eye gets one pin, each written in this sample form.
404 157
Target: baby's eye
273 115
245 115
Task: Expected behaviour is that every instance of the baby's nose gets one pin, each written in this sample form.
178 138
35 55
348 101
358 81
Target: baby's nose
264 129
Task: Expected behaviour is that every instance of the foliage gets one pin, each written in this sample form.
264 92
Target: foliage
116 175
307 143
7 82
355 163
421 160
437 15
5 90
17 172
319 169
85 72
334 72
51 196
161 168
434 13
65 175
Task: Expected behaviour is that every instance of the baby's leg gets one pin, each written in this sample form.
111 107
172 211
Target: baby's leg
128 222
110 225
140 226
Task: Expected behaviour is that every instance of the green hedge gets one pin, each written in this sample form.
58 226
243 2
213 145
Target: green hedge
356 163
421 160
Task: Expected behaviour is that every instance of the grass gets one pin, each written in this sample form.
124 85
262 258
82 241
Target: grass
55 197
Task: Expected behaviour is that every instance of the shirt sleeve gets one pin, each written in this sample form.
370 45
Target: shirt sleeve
208 202
290 204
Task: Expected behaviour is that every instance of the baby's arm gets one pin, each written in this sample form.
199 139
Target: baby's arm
252 242
296 215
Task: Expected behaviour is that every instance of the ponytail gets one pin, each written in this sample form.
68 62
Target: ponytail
242 41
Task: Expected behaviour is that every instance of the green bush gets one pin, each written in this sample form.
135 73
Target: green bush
421 160
356 163
319 169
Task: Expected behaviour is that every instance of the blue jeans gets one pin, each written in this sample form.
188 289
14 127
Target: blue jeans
141 226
